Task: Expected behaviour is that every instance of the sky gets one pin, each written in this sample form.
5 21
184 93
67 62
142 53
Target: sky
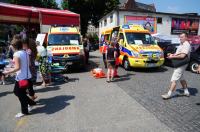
172 6
175 6
59 2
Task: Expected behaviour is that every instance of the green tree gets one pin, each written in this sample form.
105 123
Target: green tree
91 10
65 5
36 3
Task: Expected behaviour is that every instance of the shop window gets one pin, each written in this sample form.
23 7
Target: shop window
159 20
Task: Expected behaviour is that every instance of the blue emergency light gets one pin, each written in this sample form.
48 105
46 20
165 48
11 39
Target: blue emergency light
126 27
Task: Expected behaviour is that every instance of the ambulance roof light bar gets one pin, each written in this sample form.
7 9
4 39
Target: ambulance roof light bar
59 25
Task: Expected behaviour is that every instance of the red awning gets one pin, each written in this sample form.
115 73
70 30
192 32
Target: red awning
10 13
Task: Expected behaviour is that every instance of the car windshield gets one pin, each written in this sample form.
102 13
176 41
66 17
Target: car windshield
64 39
139 38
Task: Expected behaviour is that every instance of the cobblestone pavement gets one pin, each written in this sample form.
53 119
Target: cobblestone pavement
182 114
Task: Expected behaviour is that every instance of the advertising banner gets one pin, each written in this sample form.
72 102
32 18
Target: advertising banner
179 25
148 23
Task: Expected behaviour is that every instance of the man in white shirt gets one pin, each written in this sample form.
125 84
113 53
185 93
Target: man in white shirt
182 51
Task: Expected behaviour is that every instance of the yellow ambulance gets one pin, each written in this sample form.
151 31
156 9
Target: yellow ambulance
137 47
105 37
65 45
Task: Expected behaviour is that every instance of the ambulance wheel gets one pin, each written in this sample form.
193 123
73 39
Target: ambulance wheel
126 64
194 66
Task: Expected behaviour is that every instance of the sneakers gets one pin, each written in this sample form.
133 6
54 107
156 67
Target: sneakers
18 115
166 96
187 94
108 81
30 108
2 83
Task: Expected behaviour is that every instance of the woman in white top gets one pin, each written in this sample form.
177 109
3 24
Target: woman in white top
22 70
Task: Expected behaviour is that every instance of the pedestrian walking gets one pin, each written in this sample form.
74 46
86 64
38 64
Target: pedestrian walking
23 74
86 46
30 47
182 51
110 57
44 65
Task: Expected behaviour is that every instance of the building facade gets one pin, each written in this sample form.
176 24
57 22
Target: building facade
133 12
92 30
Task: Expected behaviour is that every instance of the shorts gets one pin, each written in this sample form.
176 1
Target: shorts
178 73
111 63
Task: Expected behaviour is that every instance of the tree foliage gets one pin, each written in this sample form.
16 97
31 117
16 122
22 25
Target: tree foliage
65 5
91 10
36 3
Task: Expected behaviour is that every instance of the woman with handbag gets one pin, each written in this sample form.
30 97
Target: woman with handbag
23 76
180 61
30 47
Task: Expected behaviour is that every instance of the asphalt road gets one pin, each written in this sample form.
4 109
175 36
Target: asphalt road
146 86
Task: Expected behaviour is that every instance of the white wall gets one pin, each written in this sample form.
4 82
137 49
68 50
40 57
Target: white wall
164 28
109 24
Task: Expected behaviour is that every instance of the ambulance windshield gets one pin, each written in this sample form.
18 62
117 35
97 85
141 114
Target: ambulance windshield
64 39
139 38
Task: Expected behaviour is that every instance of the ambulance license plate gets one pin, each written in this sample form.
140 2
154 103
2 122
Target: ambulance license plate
151 65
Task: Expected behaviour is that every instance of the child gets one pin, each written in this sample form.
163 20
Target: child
110 56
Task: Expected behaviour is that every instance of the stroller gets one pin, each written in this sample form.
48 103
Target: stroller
57 70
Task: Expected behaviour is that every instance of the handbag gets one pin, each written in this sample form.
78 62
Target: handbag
24 83
180 62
